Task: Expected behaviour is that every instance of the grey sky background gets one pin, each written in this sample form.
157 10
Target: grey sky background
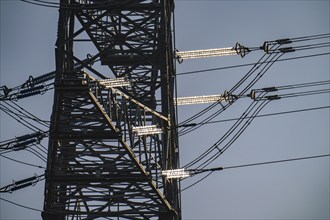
295 190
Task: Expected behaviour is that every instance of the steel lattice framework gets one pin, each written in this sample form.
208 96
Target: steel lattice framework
98 167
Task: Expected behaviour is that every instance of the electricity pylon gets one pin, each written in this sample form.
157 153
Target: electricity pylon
113 121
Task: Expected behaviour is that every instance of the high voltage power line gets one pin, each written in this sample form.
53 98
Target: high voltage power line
274 51
247 117
20 205
188 125
22 162
213 152
261 115
211 170
248 64
278 96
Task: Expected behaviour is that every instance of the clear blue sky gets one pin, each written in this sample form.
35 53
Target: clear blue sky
295 190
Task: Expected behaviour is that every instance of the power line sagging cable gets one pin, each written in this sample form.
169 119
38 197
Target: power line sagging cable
267 115
22 162
261 67
211 170
188 126
249 64
19 205
213 152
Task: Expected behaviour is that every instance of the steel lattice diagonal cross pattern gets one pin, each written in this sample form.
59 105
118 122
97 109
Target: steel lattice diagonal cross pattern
98 166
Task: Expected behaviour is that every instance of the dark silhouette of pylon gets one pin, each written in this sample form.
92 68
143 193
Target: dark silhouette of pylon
98 166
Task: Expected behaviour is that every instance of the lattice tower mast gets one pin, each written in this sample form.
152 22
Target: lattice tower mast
109 142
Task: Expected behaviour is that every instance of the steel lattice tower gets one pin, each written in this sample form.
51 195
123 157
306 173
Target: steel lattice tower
98 166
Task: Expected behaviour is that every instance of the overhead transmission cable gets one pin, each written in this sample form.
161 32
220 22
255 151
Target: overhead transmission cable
242 50
37 154
19 205
248 64
24 141
30 150
256 95
267 115
324 83
253 81
235 86
260 74
238 127
208 158
300 85
22 116
211 170
274 50
22 162
25 114
288 95
310 37
235 135
18 118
